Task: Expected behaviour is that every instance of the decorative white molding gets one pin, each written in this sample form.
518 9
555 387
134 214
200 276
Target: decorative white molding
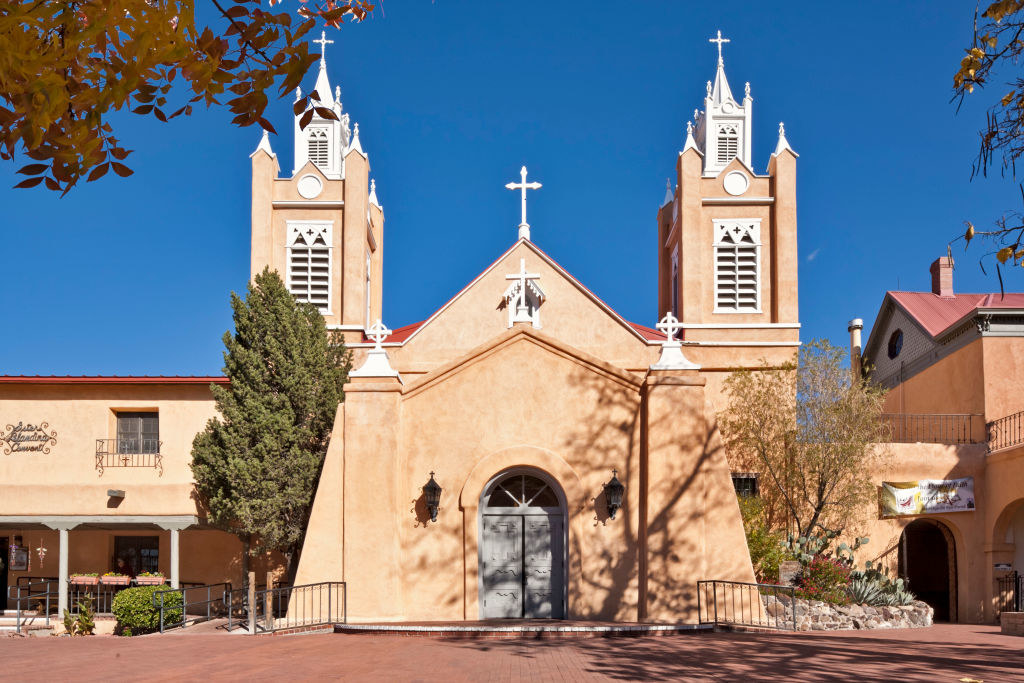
736 183
311 237
311 204
672 357
524 297
742 343
377 363
741 326
751 201
309 186
734 235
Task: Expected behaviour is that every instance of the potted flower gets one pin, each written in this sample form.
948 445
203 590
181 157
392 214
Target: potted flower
115 579
85 578
150 579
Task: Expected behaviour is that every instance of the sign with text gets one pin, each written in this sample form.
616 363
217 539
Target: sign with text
927 496
27 438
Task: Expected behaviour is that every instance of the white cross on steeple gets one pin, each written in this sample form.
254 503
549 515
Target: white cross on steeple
522 310
719 40
378 332
524 227
324 43
669 325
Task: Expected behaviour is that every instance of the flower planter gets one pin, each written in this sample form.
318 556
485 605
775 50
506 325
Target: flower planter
150 580
80 580
115 580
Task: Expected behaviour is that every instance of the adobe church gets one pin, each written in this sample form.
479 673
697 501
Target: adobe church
580 471
528 400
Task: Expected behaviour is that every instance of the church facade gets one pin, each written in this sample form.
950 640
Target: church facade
580 471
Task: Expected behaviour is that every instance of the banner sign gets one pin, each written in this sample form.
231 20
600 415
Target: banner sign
927 496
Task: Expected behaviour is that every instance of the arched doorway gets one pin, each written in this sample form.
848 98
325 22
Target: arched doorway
927 562
522 547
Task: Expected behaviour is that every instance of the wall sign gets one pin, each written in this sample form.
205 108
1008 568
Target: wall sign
927 496
30 438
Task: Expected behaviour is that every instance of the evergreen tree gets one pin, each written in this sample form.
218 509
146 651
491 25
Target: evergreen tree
256 466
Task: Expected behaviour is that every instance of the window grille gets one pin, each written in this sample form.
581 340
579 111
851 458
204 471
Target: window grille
309 265
318 147
728 143
745 484
737 268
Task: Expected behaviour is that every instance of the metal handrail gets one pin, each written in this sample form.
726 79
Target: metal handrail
723 594
288 607
24 593
209 602
1005 432
947 428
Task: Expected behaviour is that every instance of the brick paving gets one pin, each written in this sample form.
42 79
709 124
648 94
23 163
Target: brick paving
941 653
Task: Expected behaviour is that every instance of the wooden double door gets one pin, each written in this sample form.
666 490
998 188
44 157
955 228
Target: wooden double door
523 566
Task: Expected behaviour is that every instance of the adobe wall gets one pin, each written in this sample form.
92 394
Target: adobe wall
1003 370
952 385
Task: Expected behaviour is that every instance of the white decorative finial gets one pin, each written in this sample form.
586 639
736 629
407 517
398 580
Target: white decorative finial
337 93
746 89
377 363
523 280
709 88
690 142
298 93
373 194
782 128
689 127
323 47
719 40
265 144
783 143
355 144
696 114
524 227
672 357
669 195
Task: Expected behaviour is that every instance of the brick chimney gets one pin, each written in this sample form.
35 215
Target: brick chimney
942 276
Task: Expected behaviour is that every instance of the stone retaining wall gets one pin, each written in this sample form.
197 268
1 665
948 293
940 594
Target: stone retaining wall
812 615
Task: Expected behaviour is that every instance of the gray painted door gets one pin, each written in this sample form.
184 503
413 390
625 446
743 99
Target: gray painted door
523 566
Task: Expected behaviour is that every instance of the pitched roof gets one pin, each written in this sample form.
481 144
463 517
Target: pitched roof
937 313
111 379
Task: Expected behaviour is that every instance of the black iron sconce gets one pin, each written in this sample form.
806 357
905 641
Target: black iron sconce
432 494
613 491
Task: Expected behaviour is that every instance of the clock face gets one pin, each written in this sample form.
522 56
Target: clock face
895 343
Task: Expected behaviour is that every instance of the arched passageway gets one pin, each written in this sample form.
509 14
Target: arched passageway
927 562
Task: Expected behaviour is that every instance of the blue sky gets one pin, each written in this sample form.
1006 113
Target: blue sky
132 276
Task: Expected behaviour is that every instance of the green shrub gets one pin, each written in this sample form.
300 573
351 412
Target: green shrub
826 579
871 586
136 614
765 545
81 624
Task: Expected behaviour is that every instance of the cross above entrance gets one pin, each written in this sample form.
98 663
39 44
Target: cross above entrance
719 40
524 227
324 43
522 310
669 325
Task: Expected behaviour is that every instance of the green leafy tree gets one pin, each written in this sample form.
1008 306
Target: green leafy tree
256 466
811 432
67 66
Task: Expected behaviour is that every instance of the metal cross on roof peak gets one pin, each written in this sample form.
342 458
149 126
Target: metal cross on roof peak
670 325
378 333
719 40
324 43
524 227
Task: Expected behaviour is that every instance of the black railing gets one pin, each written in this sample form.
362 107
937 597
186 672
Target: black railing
191 604
1010 593
756 605
1006 431
289 607
42 591
129 452
952 428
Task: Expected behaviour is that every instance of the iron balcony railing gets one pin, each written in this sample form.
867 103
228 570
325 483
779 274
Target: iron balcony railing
754 605
1006 431
129 452
952 428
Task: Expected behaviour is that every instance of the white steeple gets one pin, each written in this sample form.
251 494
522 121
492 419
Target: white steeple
724 127
322 141
373 195
782 144
264 145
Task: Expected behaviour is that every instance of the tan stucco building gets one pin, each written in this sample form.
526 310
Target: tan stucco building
524 397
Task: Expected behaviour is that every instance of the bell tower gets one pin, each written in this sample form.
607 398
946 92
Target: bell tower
322 229
727 249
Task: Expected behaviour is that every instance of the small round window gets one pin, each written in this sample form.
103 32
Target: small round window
895 343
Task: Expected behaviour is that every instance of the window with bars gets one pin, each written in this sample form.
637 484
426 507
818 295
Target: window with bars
728 143
737 268
309 264
318 153
138 433
746 484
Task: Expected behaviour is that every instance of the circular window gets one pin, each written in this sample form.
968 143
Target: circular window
895 343
310 186
735 183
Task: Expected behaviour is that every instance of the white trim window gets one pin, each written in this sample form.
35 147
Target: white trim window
309 262
369 280
318 147
738 266
674 283
728 143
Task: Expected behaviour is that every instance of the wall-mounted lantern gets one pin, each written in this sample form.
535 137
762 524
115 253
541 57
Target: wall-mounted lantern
613 491
432 494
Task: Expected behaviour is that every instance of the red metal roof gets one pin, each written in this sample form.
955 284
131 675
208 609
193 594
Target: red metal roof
652 334
397 336
936 313
110 379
